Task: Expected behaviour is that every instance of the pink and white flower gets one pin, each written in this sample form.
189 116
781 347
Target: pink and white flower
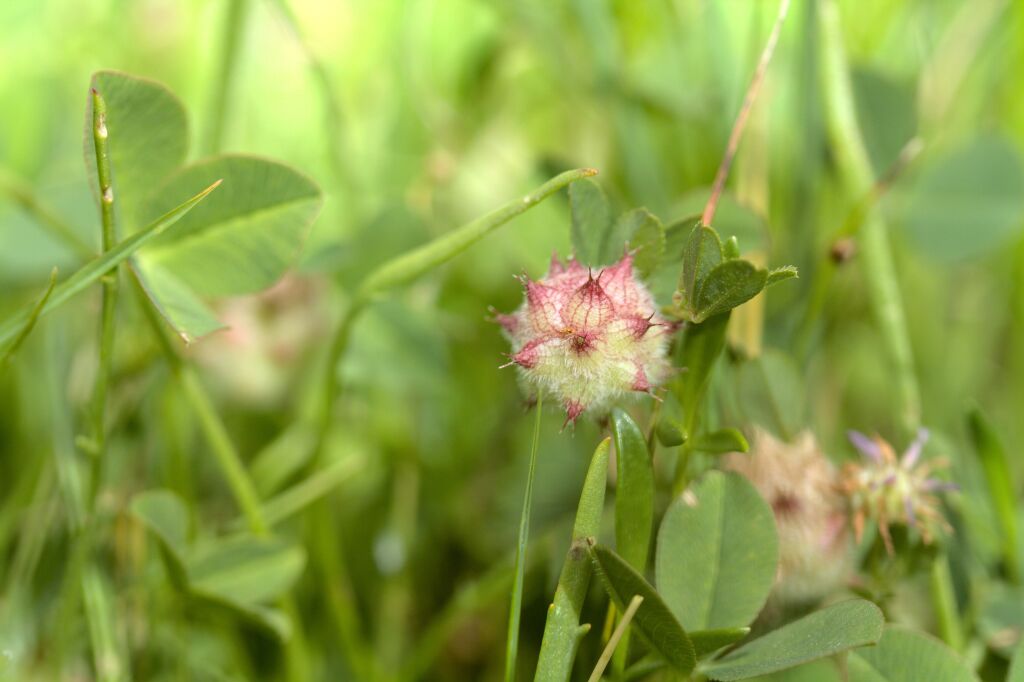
588 340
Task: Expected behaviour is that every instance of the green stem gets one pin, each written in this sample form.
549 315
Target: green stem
222 85
228 459
876 254
110 292
512 644
944 603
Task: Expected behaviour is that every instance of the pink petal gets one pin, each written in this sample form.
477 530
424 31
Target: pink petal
588 310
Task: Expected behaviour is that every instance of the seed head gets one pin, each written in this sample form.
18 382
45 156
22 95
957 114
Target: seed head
801 485
889 489
587 340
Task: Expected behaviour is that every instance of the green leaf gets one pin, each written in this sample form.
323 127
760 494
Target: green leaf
776 275
709 641
1001 612
968 201
904 655
717 559
726 286
148 140
1016 673
413 264
886 113
634 492
837 628
562 630
591 222
771 389
245 570
166 516
90 273
189 316
244 238
670 431
718 442
646 237
653 620
731 248
999 479
30 323
703 252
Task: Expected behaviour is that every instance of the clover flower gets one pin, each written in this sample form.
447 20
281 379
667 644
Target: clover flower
889 489
802 487
588 340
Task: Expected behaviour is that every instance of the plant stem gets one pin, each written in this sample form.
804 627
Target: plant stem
613 642
220 93
110 292
741 119
944 603
512 644
879 269
228 459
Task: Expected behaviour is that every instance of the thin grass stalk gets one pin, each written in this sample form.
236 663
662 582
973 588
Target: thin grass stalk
515 608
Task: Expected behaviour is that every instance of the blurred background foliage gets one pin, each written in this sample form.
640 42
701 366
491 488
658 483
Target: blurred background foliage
415 116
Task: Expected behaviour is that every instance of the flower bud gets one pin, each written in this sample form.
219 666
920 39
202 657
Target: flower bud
587 341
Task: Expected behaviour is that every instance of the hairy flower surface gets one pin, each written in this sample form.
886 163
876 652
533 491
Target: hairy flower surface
889 489
588 340
802 487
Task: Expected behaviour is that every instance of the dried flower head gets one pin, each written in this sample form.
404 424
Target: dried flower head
889 489
588 340
802 487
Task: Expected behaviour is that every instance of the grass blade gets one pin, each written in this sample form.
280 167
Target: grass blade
89 273
562 630
512 644
30 323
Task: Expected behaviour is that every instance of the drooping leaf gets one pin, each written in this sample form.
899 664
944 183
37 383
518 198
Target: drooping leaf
245 570
634 492
184 311
591 222
645 235
166 516
702 345
562 630
904 655
726 286
702 253
721 441
836 628
147 139
967 202
245 237
886 112
717 559
90 273
771 390
653 620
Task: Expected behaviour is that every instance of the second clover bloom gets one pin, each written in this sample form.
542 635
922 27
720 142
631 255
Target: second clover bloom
587 340
895 490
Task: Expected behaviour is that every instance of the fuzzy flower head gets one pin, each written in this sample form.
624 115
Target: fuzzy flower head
585 339
802 487
889 489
